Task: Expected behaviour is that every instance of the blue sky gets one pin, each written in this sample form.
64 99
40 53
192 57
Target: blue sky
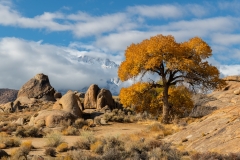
46 36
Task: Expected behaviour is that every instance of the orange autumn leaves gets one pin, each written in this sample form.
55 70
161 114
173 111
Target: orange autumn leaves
174 63
151 101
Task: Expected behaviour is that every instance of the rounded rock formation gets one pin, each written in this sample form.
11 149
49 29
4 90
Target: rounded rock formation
105 98
38 87
90 100
69 103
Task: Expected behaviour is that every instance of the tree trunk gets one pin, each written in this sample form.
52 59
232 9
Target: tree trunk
166 106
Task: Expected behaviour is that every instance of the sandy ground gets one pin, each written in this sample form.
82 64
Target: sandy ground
114 129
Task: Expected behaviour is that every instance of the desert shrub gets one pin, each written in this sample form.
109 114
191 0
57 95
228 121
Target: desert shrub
174 154
28 131
113 142
97 147
97 120
9 141
82 143
136 147
108 116
200 108
87 138
8 127
63 147
86 128
124 115
156 127
70 131
114 153
50 152
54 139
81 155
157 154
152 144
79 123
22 151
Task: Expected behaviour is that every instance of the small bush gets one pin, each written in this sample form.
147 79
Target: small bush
70 131
97 147
97 120
82 143
113 142
156 127
22 151
9 141
63 147
114 153
50 152
79 123
54 139
86 128
28 131
87 138
81 155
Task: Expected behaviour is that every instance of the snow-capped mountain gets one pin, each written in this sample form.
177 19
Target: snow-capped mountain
105 63
112 82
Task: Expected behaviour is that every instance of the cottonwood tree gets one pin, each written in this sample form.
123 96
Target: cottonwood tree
173 62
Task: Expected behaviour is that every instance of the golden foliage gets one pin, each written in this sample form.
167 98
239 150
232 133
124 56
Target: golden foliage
180 99
186 60
151 101
174 63
136 96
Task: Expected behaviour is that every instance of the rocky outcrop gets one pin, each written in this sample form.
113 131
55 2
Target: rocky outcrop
69 103
205 104
8 95
98 98
38 87
218 132
57 95
51 118
11 107
104 98
90 100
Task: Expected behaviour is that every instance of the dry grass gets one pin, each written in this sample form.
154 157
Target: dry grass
54 139
9 141
70 131
22 151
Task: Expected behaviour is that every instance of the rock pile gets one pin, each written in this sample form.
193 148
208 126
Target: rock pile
97 98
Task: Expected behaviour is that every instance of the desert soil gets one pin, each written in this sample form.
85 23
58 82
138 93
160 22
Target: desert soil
112 129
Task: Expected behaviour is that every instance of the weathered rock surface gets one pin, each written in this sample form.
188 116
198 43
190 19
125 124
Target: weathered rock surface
105 98
57 95
11 107
220 98
38 87
8 95
218 132
51 118
96 98
90 100
69 103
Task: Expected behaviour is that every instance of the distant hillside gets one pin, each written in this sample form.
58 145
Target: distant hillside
7 95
